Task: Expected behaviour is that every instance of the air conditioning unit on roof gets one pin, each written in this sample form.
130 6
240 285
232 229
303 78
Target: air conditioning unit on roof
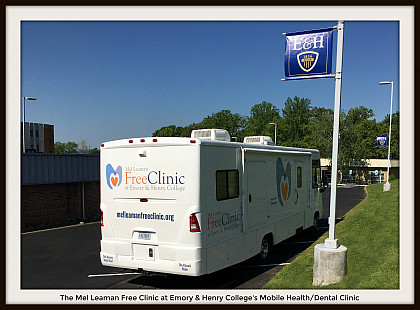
265 140
211 134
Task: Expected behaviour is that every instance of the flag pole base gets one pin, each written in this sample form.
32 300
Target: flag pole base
331 243
330 265
387 187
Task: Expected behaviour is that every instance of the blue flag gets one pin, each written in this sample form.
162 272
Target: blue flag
308 54
382 141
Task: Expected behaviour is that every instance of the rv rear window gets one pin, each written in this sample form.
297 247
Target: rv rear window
227 184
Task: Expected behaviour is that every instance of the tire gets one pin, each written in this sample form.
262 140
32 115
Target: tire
315 221
265 249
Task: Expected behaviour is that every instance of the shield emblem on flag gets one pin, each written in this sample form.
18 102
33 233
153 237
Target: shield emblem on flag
307 60
382 141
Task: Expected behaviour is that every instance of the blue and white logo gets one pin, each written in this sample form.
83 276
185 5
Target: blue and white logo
113 176
308 54
382 141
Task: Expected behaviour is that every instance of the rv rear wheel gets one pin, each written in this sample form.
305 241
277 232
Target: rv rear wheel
265 249
316 221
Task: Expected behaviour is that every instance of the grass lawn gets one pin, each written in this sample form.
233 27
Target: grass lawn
370 232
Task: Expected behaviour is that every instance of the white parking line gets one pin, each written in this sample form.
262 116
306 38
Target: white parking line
61 227
268 265
112 274
298 242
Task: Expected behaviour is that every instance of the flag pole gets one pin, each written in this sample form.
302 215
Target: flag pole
331 242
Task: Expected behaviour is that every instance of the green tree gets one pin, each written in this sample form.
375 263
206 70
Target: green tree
175 131
357 138
300 126
168 131
186 131
319 131
73 148
225 119
94 151
258 123
65 148
296 116
383 130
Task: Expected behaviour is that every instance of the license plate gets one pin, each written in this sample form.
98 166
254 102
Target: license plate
144 236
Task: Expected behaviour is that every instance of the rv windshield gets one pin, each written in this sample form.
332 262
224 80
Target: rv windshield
316 174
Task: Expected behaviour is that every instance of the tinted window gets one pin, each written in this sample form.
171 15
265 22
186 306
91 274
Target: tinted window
227 184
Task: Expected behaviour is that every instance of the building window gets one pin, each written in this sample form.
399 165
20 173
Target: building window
227 184
31 132
37 133
49 140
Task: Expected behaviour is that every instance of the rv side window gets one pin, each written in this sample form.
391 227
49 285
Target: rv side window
227 184
299 177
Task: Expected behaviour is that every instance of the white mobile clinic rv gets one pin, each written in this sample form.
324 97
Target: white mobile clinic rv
192 206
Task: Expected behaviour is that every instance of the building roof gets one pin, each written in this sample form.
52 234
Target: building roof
39 168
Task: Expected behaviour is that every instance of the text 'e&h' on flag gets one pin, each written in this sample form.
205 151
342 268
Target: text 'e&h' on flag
308 54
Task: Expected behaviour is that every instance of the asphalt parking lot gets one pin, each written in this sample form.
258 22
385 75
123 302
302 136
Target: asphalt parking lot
68 258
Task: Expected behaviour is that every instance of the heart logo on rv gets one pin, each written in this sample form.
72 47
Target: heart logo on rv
114 180
113 176
284 188
284 180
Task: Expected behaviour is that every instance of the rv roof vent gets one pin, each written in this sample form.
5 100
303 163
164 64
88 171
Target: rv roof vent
266 140
211 134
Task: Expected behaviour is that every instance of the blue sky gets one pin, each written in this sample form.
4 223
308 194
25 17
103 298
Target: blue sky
101 81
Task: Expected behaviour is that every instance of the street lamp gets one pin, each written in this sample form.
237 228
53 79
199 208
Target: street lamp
387 186
23 112
275 132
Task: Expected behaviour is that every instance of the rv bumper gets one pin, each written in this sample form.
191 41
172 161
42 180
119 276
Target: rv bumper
183 261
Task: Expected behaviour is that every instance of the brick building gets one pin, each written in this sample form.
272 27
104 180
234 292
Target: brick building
39 138
59 189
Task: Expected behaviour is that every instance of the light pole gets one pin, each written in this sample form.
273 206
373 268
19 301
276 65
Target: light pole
23 126
275 132
387 186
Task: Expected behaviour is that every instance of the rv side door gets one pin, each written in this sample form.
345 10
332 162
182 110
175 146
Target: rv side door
257 196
